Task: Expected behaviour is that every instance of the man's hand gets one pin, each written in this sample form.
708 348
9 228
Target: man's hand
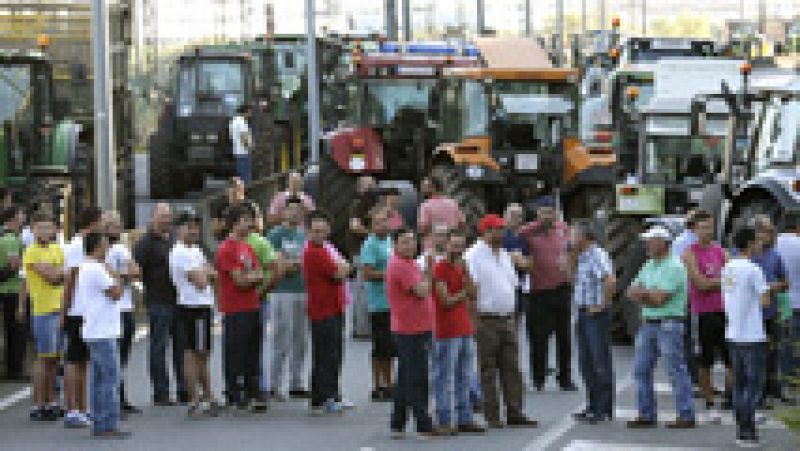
14 262
636 293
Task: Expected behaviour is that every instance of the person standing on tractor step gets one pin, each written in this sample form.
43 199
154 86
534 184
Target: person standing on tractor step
661 289
77 352
592 292
324 277
746 293
438 209
454 344
43 263
375 253
294 185
193 277
242 141
289 317
98 292
550 308
121 263
788 247
411 317
152 255
772 265
13 217
492 271
704 261
239 279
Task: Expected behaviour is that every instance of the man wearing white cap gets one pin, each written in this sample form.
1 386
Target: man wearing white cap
661 288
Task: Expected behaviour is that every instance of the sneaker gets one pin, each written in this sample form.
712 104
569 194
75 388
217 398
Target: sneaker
471 428
761 419
569 386
315 411
76 420
299 393
522 422
445 431
428 435
681 423
130 409
193 411
713 415
346 404
747 441
333 408
397 434
112 435
37 414
641 423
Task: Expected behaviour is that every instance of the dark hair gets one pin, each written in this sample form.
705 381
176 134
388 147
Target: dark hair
89 216
291 200
437 184
317 215
791 221
10 213
743 237
237 212
699 216
586 229
243 109
41 216
91 242
403 231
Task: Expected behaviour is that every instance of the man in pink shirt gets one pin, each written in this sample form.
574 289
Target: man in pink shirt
294 189
550 308
411 318
438 209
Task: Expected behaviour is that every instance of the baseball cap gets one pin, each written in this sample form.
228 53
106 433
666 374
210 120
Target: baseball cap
491 222
656 232
186 216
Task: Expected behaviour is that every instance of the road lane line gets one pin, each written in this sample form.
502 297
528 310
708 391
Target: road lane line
14 398
566 423
591 445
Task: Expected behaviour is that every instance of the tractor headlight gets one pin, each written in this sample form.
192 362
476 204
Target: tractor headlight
195 137
212 138
527 162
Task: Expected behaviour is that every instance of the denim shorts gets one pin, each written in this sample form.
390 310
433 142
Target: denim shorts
46 334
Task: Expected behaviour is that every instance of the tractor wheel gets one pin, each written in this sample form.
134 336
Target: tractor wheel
628 260
471 202
744 212
161 180
337 189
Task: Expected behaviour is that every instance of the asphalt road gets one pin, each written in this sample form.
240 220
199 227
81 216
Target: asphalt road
287 425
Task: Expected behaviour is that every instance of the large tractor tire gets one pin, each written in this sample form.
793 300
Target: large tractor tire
743 213
162 183
337 189
471 201
628 255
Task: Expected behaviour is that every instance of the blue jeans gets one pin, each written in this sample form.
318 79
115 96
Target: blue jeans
747 361
105 377
244 168
594 360
452 377
411 391
663 339
264 376
163 325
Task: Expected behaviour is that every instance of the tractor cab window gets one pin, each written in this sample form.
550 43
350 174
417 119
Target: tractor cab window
25 113
211 88
383 102
778 141
673 156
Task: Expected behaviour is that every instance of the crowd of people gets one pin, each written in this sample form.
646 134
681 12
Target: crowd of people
444 306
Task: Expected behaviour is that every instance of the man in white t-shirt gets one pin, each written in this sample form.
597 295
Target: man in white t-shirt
745 292
787 246
121 262
98 293
242 141
76 354
193 277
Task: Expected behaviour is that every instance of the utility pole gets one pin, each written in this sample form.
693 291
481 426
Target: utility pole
644 17
313 83
481 22
105 160
583 18
407 24
390 19
559 33
762 17
602 6
528 28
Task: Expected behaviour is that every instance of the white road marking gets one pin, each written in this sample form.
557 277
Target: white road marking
702 418
566 423
591 445
14 398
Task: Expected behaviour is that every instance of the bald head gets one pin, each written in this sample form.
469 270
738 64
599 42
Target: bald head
162 218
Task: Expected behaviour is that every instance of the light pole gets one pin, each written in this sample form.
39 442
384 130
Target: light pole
105 160
313 84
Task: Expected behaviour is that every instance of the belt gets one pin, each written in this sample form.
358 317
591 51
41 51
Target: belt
496 315
664 320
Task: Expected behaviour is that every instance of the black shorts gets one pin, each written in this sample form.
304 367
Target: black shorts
711 332
382 344
76 349
195 325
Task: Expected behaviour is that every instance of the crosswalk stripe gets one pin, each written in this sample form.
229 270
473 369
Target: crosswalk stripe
14 398
591 445
703 419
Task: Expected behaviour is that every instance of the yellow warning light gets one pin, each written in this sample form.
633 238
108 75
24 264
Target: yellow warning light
746 69
43 40
632 92
615 22
614 53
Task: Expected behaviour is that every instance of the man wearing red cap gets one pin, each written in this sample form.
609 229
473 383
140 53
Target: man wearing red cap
492 271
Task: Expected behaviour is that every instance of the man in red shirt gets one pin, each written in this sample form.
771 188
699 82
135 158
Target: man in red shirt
411 318
550 309
324 276
454 344
239 302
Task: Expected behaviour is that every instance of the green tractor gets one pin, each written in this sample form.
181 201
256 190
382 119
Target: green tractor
42 154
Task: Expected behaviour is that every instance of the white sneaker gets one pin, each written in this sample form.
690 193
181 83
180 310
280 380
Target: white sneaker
713 415
346 404
761 419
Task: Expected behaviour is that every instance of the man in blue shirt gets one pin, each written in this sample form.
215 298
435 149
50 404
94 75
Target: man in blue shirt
772 265
517 245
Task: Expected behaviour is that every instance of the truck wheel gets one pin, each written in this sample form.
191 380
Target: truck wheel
337 189
471 202
745 212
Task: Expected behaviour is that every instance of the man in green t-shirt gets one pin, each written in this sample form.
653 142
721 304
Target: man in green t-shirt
266 259
661 288
10 251
288 304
